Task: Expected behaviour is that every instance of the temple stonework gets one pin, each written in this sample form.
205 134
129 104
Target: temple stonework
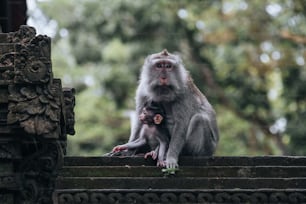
36 114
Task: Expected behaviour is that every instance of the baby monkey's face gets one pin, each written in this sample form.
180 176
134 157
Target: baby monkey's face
148 116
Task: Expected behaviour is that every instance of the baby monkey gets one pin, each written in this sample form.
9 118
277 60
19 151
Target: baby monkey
153 133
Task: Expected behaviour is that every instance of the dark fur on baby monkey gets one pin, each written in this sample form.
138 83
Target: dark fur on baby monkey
153 133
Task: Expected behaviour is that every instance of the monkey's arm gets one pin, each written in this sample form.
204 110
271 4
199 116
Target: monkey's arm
135 131
130 145
136 143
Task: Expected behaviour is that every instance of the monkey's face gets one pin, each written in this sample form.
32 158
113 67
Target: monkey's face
148 116
164 74
163 68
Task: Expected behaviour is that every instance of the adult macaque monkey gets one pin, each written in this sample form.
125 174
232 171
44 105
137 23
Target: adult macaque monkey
191 120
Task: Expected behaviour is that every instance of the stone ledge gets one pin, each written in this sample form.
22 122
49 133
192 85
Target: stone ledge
189 161
264 179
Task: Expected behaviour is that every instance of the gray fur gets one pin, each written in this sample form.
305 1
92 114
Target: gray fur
191 120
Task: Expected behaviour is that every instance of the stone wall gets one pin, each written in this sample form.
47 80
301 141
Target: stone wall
266 179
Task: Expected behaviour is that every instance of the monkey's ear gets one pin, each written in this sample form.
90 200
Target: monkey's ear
158 118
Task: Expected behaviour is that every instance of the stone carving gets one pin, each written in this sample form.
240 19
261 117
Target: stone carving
69 103
36 109
34 97
7 181
38 172
36 115
93 197
32 61
23 35
25 58
6 198
9 151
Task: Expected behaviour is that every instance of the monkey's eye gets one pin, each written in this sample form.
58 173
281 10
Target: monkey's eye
168 66
159 65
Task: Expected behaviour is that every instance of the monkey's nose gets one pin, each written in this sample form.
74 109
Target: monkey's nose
163 81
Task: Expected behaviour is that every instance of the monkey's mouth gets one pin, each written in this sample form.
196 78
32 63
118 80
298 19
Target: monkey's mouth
147 122
163 89
144 121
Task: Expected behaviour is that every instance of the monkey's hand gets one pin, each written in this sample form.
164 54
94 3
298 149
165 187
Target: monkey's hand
171 163
161 163
119 148
152 154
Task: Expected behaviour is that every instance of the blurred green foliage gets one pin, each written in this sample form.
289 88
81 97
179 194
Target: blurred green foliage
248 57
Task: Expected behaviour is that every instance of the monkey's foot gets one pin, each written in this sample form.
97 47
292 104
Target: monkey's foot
171 163
152 154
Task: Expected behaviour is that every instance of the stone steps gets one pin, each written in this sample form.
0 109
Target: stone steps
266 179
189 161
174 183
186 171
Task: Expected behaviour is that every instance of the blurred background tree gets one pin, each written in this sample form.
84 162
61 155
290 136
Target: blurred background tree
248 57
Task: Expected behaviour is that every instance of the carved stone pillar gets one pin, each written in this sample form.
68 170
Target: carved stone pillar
36 115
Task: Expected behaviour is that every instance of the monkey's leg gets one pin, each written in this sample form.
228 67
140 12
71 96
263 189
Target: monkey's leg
176 145
199 139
